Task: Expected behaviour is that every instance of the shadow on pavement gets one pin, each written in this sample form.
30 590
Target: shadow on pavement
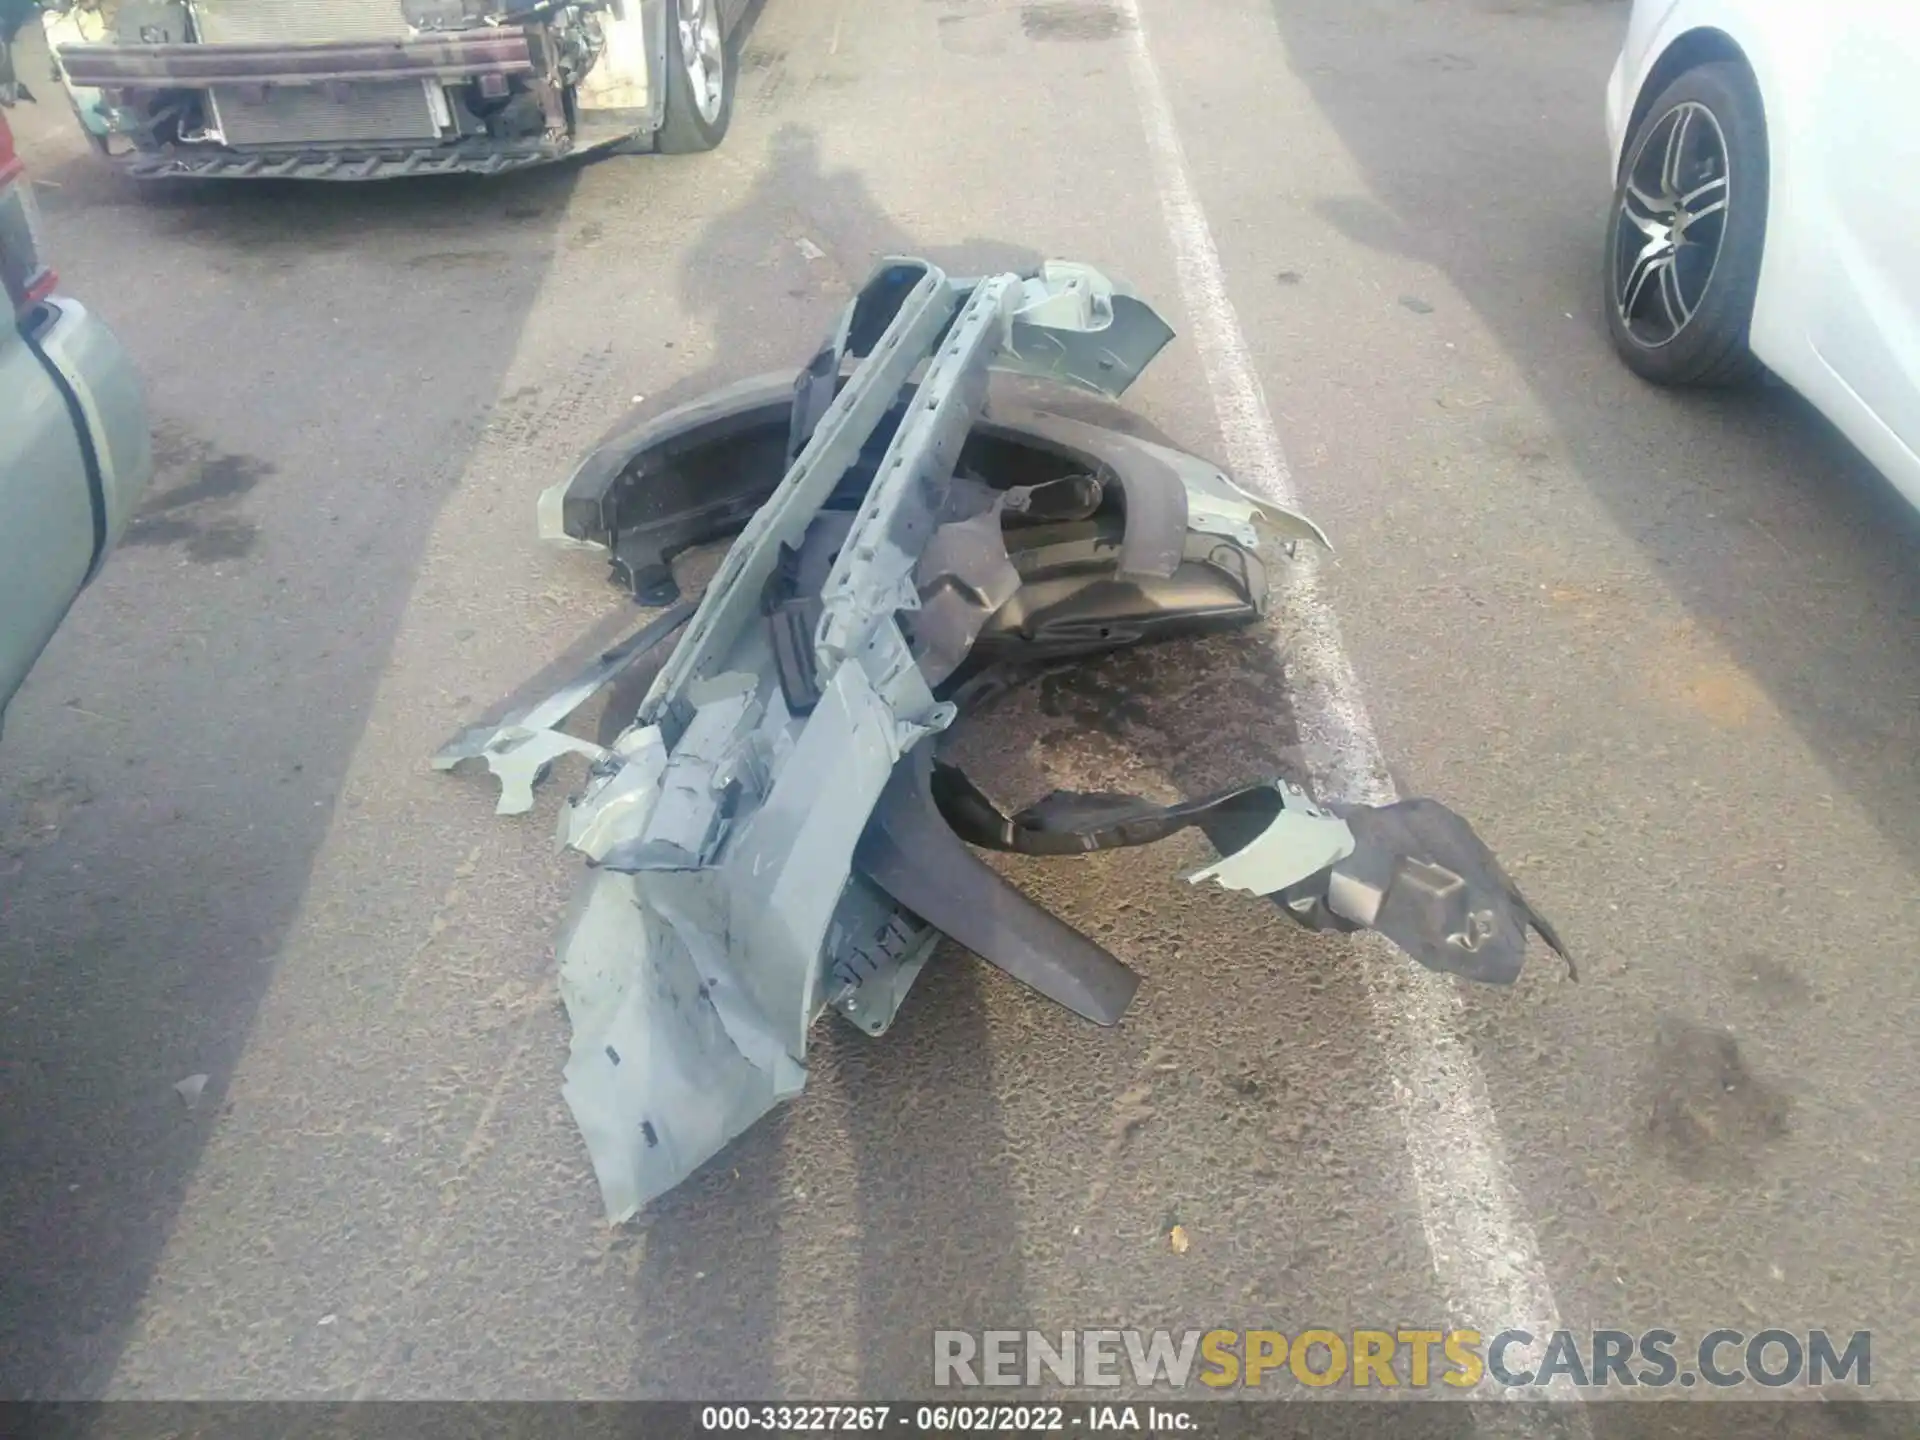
931 1205
320 362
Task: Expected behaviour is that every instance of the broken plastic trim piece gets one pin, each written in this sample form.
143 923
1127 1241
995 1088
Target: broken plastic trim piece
1076 326
1414 871
653 486
520 747
1301 840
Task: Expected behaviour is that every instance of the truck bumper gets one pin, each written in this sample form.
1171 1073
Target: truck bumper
348 162
343 80
451 57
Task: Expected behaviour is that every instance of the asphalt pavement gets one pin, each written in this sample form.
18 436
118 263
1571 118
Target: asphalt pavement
1662 648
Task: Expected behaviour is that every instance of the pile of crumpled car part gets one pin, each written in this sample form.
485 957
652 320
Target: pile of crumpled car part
773 835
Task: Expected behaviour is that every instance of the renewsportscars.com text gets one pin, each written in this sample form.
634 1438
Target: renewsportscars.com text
1401 1358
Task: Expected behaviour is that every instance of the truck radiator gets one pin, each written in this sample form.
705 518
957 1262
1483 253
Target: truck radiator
311 114
361 111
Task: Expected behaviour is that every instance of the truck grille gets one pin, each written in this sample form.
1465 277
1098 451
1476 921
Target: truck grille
298 22
312 114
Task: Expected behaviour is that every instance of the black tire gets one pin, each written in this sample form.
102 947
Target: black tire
684 130
1708 344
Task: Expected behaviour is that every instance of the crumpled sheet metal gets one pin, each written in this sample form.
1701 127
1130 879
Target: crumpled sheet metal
703 974
521 747
657 1079
961 579
772 836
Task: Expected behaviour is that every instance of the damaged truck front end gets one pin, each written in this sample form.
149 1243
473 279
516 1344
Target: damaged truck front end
359 89
775 835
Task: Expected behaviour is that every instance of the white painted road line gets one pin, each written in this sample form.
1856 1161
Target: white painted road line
1484 1252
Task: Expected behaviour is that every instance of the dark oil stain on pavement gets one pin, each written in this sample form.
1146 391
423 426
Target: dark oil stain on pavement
1092 701
1065 20
1708 1115
196 511
1207 712
458 260
1776 985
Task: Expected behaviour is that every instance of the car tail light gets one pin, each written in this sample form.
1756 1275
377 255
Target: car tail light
23 270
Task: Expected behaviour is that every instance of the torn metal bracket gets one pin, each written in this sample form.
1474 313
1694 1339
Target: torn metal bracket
1077 326
878 950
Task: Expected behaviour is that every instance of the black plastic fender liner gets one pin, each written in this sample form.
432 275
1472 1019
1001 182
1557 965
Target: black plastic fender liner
912 854
1418 873
1071 822
658 482
1422 878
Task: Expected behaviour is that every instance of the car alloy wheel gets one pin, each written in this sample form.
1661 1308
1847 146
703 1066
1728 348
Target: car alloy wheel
1671 219
700 55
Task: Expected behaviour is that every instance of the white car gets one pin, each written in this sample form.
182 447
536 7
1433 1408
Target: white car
1766 210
